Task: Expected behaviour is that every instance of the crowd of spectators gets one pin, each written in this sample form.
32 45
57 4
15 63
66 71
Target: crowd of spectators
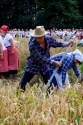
65 34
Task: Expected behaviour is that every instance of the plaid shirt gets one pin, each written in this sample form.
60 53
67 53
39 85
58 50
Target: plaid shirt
67 64
39 59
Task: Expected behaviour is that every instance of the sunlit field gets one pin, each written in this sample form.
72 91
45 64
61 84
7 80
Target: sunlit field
36 107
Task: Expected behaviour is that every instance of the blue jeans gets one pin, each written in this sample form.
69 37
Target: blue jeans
28 76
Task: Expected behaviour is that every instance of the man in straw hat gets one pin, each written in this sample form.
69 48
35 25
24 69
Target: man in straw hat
71 60
39 60
66 36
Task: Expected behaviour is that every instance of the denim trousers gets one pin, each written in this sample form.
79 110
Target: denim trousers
28 76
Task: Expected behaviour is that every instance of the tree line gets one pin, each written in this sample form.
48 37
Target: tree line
50 13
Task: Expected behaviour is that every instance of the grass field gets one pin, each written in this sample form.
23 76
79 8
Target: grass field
35 107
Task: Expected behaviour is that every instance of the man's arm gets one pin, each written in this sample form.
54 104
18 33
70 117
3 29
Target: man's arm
76 70
55 43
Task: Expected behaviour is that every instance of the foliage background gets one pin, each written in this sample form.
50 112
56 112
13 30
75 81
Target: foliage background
27 14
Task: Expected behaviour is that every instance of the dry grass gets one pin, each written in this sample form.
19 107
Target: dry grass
38 108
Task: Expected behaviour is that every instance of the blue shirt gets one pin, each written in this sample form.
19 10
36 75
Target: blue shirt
39 59
67 64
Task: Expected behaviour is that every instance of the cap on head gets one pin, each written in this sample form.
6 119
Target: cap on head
78 56
38 32
4 28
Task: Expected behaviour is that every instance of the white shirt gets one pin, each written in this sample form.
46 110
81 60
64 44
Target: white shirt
2 43
6 40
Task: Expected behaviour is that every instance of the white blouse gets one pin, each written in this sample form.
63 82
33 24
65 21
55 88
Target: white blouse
6 40
2 43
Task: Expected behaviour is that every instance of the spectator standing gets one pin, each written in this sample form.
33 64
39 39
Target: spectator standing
3 60
12 51
66 36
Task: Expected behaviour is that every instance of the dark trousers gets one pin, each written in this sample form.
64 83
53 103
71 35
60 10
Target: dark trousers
28 76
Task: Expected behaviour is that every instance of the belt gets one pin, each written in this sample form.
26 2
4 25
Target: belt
7 46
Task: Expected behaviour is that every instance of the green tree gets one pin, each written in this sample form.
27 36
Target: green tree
61 14
30 13
80 7
17 13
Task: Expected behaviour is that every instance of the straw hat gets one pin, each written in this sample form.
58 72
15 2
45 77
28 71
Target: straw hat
4 28
78 56
38 32
66 32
